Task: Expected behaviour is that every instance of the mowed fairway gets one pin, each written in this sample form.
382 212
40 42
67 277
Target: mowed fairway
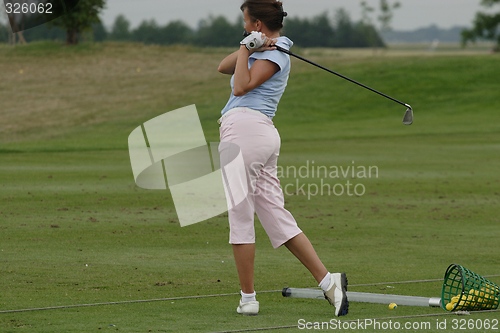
74 228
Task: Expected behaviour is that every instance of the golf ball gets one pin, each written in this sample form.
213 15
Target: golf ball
392 306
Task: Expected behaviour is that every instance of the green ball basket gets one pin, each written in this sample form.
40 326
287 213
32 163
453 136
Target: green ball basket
468 291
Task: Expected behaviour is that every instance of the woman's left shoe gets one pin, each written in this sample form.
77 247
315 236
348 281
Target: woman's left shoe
337 294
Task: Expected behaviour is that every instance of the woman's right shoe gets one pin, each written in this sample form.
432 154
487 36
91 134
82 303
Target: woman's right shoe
248 308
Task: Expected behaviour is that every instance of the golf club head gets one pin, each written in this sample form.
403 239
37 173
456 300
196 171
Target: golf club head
408 117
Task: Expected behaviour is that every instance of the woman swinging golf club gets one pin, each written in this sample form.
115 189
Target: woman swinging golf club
259 77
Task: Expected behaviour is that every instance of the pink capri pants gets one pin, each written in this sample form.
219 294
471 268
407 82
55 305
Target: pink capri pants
259 142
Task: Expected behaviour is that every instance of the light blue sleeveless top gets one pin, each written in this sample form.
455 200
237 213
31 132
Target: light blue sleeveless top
266 97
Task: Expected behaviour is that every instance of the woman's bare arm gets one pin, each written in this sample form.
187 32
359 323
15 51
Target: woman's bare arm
245 79
228 64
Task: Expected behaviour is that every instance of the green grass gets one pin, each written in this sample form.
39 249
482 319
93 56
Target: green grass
76 230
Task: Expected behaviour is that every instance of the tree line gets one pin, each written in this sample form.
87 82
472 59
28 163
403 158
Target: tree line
218 31
486 26
83 23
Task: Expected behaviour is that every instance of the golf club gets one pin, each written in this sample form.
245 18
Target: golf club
408 117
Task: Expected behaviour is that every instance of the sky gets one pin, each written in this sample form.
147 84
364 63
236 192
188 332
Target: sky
413 14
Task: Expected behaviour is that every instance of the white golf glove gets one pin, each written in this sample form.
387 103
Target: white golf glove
253 41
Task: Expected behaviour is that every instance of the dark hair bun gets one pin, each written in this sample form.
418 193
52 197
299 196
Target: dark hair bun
270 12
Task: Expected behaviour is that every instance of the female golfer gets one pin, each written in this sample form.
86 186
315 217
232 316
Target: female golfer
259 77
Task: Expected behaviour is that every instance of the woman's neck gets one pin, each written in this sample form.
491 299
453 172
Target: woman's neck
271 34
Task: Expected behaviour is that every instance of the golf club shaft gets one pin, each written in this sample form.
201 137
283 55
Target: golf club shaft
279 48
366 297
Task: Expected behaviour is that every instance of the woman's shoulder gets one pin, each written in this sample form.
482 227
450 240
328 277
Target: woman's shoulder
284 42
279 58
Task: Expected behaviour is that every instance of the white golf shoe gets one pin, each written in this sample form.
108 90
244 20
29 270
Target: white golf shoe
248 308
337 294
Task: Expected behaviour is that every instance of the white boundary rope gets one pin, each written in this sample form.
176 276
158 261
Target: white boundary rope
62 307
408 282
115 303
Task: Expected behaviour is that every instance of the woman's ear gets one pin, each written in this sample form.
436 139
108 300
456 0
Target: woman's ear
258 25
